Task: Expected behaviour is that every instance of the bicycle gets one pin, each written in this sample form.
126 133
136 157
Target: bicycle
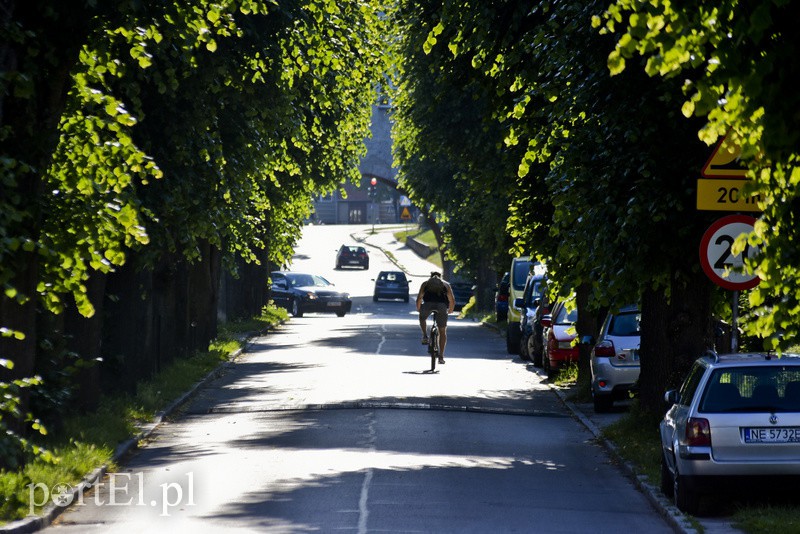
433 342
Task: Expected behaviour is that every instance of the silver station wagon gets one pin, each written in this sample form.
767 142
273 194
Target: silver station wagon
734 426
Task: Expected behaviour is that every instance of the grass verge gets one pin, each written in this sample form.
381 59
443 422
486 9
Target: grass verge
88 441
636 439
426 237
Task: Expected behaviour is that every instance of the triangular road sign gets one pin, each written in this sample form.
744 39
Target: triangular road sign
724 161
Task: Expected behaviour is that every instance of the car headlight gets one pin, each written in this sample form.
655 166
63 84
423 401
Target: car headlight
311 296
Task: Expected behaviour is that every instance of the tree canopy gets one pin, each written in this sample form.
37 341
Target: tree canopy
157 131
606 176
737 70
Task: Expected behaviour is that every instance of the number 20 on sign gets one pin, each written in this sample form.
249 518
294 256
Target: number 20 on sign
717 258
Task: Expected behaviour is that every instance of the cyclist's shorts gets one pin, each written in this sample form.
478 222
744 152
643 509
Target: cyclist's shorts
439 307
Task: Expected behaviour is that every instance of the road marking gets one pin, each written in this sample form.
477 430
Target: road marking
383 339
363 510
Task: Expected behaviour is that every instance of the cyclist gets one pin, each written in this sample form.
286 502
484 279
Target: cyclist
435 295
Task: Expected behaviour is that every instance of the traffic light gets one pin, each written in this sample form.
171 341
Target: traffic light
373 188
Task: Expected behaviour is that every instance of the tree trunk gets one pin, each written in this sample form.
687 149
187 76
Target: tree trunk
683 332
487 280
128 334
85 337
587 325
203 297
245 295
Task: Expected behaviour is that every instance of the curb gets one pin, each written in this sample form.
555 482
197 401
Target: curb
679 522
362 238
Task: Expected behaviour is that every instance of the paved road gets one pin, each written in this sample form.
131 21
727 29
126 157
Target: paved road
330 424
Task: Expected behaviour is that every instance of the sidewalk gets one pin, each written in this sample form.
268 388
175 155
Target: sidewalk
397 252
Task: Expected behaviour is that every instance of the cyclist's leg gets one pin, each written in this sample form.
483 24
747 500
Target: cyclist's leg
424 311
442 323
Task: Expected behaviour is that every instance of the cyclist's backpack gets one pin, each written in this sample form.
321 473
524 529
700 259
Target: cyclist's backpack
435 286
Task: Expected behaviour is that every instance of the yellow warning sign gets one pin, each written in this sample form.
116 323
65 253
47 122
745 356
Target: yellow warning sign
725 195
724 161
405 214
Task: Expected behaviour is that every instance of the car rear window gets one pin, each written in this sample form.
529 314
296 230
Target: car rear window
565 316
625 324
774 388
536 290
393 277
521 270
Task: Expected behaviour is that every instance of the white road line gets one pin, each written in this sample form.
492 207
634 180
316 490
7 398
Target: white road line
363 509
383 340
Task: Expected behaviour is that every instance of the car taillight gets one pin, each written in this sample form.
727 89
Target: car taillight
605 349
698 432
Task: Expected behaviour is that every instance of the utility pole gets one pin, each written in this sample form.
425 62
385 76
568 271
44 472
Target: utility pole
373 191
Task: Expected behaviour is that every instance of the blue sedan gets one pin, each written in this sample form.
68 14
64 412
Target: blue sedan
391 285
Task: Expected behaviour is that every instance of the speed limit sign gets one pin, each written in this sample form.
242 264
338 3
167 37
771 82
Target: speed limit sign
718 262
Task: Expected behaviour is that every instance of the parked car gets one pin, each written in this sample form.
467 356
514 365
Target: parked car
517 275
352 255
536 339
501 299
391 285
734 425
305 293
463 290
614 360
529 303
559 348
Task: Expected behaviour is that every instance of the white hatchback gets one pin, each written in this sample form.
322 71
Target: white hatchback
736 418
615 358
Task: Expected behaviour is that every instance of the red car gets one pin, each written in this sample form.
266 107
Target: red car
559 348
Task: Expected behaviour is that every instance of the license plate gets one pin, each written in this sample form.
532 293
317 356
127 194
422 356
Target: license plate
334 304
772 435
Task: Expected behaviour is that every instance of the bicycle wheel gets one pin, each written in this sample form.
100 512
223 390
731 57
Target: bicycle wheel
433 347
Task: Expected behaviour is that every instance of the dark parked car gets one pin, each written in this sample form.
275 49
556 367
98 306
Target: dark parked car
529 303
462 291
501 299
305 293
536 341
391 285
352 256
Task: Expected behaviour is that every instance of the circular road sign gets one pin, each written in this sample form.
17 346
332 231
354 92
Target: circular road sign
716 257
